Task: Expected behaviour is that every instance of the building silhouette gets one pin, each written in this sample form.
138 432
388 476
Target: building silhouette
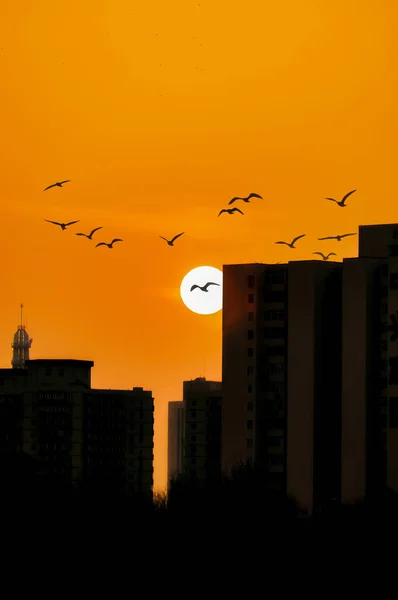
91 437
202 444
370 366
281 368
175 449
21 346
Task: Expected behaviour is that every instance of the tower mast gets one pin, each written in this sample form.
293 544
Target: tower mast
21 345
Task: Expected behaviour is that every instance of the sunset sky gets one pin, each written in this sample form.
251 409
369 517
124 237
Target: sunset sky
159 113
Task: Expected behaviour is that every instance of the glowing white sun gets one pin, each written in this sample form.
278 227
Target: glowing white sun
202 302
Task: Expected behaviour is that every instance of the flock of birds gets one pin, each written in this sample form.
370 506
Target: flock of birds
230 211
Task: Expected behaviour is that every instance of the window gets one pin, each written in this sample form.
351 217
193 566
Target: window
274 333
250 352
393 250
250 316
250 424
250 298
250 371
275 276
274 315
250 281
249 443
250 407
250 388
276 368
250 334
47 372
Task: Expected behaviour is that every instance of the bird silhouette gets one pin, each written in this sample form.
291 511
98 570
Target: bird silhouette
58 184
62 225
230 211
342 201
247 199
291 245
110 245
171 242
90 235
336 237
325 257
205 287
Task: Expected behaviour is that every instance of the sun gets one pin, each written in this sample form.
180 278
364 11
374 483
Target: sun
208 300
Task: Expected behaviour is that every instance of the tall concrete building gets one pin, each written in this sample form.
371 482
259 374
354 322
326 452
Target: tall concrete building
202 443
370 365
281 373
175 448
90 436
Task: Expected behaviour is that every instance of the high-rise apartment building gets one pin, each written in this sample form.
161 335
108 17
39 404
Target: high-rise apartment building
94 437
281 372
202 442
175 448
370 365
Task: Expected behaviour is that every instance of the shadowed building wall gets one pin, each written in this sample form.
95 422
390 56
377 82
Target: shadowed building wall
175 449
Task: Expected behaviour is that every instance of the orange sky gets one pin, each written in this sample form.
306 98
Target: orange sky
159 113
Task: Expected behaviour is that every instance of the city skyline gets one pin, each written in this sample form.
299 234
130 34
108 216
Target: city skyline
158 126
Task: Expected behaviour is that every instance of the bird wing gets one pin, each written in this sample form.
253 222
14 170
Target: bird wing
53 222
66 181
332 199
210 283
347 234
239 211
194 287
252 195
332 254
116 240
331 237
346 196
94 230
101 244
282 243
49 186
320 254
177 236
85 234
71 223
163 238
221 211
298 237
234 200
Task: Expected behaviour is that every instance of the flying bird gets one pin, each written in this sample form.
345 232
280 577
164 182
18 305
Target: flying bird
62 225
110 245
325 257
90 235
171 242
230 211
58 184
247 199
336 237
204 288
342 201
291 245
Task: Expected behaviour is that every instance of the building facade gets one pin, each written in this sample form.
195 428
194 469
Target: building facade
175 447
202 441
281 369
87 436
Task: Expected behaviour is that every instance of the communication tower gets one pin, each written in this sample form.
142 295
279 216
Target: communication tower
20 346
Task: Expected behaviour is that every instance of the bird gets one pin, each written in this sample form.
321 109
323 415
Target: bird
171 242
58 184
336 237
291 245
342 201
247 199
62 225
90 235
110 245
204 288
230 211
325 257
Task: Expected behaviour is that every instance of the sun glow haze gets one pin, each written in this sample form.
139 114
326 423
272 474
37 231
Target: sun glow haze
159 113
